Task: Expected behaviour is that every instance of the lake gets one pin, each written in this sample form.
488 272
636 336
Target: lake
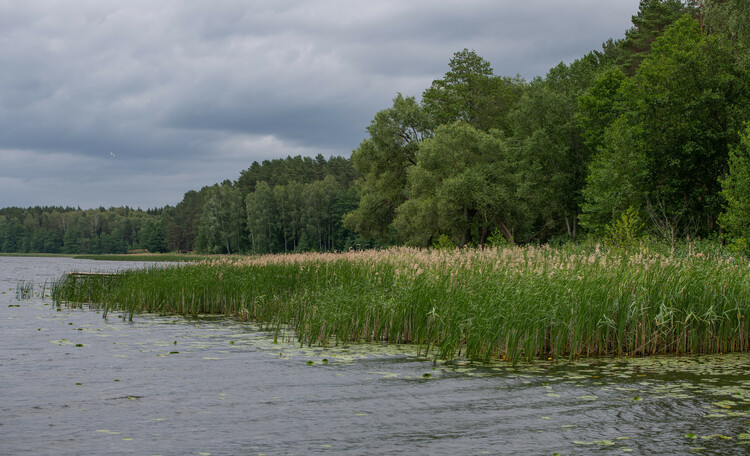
74 383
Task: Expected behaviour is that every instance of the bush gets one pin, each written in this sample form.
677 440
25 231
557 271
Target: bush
443 242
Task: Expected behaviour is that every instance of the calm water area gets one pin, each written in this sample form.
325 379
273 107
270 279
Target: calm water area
73 383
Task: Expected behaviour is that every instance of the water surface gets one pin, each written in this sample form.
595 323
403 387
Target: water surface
75 383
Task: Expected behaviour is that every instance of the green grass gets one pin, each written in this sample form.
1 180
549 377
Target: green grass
514 303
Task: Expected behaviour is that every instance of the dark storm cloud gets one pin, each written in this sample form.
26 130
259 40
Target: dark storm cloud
110 103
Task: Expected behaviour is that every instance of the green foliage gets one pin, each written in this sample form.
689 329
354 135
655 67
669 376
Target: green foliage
261 209
469 92
181 223
689 78
598 106
736 190
617 179
73 231
302 170
731 19
625 231
222 221
152 237
297 217
383 160
739 245
463 185
443 242
497 239
652 19
678 118
548 143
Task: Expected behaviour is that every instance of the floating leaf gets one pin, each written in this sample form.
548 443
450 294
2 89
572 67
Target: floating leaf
725 404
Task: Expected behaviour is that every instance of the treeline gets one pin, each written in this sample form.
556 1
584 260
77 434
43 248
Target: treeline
282 205
648 136
75 231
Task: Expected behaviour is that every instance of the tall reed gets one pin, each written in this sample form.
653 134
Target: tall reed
514 302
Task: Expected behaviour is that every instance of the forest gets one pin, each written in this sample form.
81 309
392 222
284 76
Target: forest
647 137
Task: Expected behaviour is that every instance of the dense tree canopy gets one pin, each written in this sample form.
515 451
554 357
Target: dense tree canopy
463 185
736 190
678 116
383 159
75 231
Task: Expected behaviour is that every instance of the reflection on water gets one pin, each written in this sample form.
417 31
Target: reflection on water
74 383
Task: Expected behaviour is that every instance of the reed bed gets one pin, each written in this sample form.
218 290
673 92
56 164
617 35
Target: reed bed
516 303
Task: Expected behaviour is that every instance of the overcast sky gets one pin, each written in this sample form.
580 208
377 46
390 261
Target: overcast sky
112 103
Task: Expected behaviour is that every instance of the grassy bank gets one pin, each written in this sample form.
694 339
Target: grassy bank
519 303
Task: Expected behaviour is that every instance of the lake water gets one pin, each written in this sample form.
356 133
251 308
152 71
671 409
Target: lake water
74 383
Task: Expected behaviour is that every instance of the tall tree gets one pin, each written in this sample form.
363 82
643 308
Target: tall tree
222 221
548 139
262 218
469 92
463 185
383 160
652 19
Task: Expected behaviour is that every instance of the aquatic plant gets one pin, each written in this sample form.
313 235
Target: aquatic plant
508 302
24 290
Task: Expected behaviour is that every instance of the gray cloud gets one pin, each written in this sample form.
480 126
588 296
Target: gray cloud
188 93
